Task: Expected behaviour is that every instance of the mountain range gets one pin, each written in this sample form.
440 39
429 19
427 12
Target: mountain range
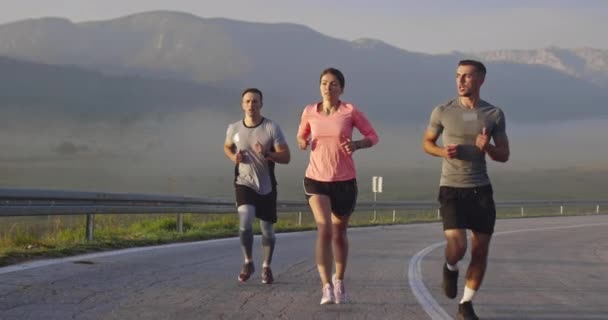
584 63
162 61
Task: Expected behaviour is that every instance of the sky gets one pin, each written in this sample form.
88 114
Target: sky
434 26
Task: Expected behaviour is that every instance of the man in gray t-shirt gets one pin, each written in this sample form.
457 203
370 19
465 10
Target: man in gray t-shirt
466 124
255 144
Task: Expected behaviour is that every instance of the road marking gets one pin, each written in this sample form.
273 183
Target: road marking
45 263
50 262
422 294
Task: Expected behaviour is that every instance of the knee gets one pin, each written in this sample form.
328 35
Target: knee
268 236
324 232
457 246
268 239
338 234
246 229
479 254
461 247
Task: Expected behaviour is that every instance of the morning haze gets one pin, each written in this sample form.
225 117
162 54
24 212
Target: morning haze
141 103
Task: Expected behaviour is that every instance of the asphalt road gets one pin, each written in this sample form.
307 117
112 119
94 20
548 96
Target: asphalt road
543 268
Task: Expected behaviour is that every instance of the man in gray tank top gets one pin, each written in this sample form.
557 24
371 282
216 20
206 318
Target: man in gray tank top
255 144
466 124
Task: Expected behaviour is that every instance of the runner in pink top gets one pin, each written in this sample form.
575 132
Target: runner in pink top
329 160
330 181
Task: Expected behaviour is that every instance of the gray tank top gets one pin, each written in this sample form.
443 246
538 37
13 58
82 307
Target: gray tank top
460 125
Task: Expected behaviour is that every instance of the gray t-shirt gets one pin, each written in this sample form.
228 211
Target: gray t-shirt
460 125
255 171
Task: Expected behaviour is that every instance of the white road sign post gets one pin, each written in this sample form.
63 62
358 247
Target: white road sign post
376 188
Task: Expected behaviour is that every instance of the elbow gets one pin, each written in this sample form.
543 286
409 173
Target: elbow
503 158
284 157
425 148
287 158
373 139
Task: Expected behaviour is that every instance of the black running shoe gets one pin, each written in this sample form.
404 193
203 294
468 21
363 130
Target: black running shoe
450 282
246 271
466 312
267 277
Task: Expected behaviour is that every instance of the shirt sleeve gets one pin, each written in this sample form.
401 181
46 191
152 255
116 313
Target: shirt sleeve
278 136
229 133
304 128
435 121
500 129
364 126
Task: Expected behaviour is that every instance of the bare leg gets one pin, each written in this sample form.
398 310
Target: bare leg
340 243
480 247
456 245
321 209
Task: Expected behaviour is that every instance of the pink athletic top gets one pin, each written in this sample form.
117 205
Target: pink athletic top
328 160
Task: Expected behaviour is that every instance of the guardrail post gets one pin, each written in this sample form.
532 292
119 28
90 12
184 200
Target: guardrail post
180 223
438 214
299 218
394 218
90 227
561 209
597 209
522 211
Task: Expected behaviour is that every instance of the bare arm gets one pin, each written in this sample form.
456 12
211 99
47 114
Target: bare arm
429 145
500 150
280 155
232 154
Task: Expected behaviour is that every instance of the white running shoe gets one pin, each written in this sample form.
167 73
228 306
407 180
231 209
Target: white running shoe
339 292
328 295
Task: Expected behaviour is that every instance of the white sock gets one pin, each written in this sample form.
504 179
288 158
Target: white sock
452 267
468 294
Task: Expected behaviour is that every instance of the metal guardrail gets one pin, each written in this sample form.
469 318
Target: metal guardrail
37 202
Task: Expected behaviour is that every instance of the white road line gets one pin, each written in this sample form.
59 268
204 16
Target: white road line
45 263
424 297
50 262
422 294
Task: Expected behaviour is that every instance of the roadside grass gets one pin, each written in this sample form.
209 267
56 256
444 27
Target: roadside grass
32 238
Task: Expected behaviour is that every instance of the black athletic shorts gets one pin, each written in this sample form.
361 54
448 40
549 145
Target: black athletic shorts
342 194
265 204
468 208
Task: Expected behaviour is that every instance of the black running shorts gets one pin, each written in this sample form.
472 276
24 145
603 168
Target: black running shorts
342 194
468 208
265 204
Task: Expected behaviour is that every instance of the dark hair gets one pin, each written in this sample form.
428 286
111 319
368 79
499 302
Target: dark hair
478 65
253 90
337 73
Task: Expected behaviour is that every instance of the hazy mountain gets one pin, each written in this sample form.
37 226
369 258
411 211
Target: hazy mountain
390 84
141 103
584 63
50 91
